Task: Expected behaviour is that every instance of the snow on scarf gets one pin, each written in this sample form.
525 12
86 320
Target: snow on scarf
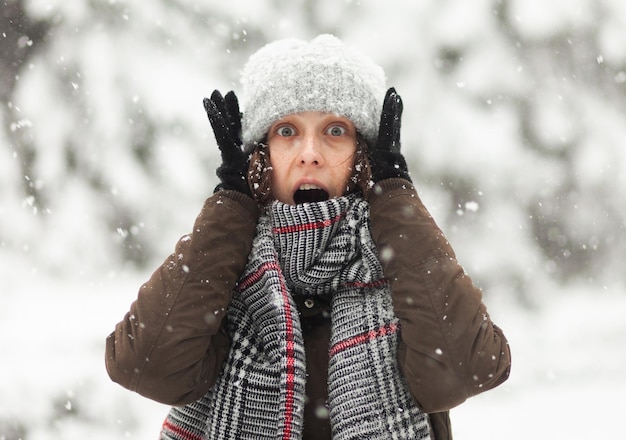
307 249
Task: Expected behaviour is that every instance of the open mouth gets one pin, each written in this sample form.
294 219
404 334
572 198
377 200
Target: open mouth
308 193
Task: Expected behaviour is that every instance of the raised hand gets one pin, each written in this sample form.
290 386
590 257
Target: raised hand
386 160
225 118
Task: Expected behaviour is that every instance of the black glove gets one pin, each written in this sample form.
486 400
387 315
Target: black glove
225 118
385 158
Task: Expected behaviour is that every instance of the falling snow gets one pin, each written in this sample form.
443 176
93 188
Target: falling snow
514 140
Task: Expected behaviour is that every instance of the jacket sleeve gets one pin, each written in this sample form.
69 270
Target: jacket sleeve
450 349
171 344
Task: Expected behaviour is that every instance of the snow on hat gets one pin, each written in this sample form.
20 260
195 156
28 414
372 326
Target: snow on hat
292 76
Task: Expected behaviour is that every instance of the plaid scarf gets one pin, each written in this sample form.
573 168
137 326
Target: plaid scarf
308 249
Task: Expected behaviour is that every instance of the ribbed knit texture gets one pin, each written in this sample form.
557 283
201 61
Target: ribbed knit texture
308 249
292 76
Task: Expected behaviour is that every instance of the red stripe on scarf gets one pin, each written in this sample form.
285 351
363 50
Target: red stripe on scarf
371 284
254 277
290 360
306 226
180 431
364 337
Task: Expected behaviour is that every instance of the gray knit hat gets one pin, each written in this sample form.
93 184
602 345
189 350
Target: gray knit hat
291 76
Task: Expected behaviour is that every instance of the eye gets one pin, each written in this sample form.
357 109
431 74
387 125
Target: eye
286 131
336 130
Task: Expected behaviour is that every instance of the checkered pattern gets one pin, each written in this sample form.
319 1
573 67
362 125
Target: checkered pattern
308 249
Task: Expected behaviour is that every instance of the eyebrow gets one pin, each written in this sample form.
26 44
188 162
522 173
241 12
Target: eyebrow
326 115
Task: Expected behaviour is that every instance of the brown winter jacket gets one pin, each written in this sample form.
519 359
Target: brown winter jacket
171 344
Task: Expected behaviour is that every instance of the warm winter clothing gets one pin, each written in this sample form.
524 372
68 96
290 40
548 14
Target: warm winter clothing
173 344
387 162
225 118
349 314
292 76
308 250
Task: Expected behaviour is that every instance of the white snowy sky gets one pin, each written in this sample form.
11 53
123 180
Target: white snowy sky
64 287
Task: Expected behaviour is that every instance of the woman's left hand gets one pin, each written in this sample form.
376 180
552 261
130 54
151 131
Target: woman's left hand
386 160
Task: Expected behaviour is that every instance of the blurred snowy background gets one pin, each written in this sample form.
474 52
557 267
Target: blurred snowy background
514 127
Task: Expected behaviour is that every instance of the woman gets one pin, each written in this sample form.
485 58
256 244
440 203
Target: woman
316 297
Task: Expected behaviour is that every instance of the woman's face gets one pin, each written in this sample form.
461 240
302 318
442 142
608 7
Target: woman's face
312 154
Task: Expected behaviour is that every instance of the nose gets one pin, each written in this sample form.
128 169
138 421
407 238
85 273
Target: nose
310 153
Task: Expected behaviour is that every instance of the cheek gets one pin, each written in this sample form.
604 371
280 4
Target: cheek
345 161
342 175
279 181
346 175
279 169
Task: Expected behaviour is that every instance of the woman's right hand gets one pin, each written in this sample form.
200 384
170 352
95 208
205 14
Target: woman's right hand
225 118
